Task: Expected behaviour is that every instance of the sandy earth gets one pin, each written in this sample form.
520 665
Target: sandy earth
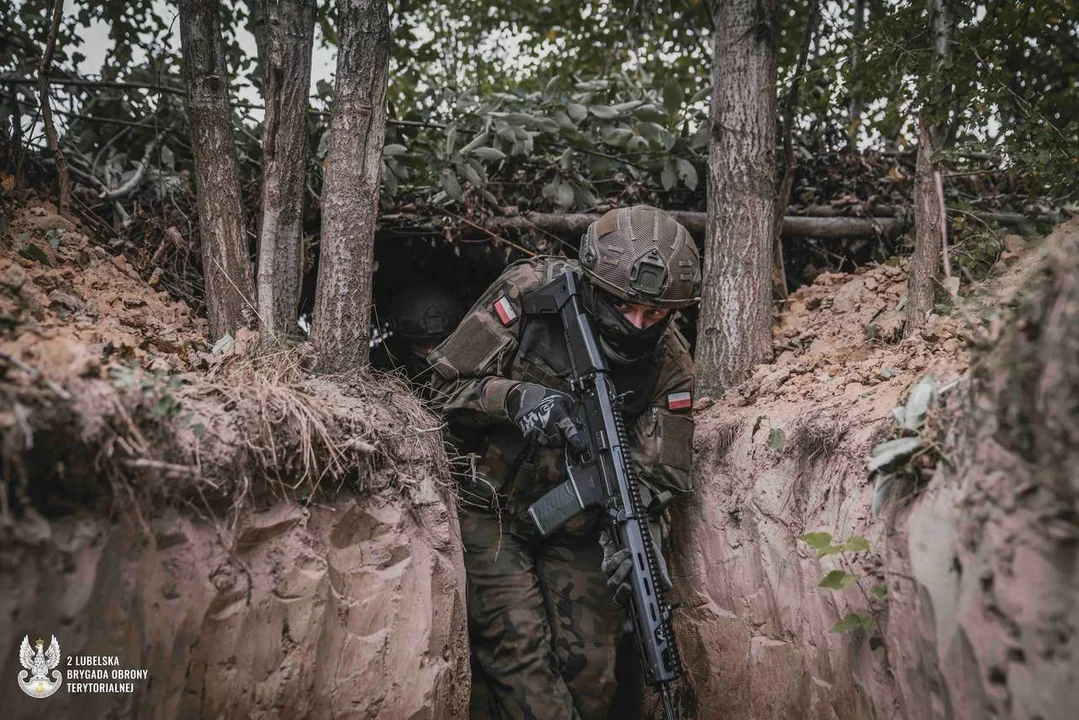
243 604
238 602
785 453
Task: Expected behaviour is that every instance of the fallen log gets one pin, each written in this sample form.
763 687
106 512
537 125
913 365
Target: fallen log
793 225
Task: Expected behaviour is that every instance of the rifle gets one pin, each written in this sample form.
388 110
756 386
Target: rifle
602 476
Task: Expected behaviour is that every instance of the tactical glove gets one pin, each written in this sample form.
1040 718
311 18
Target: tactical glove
543 416
617 564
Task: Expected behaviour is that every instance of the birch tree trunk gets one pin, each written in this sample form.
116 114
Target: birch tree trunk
928 213
735 330
226 266
350 193
290 28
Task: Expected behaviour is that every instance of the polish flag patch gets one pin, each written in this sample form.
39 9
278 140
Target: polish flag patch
679 401
504 309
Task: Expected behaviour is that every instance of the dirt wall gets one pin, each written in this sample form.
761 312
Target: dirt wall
978 620
262 542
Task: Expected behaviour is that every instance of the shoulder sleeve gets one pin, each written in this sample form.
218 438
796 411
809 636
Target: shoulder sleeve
663 451
472 366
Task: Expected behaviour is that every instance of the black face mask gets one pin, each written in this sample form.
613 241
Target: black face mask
621 341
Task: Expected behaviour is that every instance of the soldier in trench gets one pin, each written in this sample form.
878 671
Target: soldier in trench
545 615
420 317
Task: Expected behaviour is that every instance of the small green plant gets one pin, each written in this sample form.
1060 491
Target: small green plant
892 460
821 543
157 388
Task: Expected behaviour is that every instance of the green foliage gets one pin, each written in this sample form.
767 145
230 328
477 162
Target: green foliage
892 459
821 543
776 439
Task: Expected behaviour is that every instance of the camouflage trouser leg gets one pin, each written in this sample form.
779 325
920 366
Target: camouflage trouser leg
541 622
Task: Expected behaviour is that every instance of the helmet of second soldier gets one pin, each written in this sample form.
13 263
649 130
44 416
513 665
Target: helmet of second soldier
642 255
421 317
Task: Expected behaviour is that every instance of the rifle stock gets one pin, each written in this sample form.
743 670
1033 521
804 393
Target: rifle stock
602 476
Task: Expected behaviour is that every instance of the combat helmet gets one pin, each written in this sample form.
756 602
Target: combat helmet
424 312
644 256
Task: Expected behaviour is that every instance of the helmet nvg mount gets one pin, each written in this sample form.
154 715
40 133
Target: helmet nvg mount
424 312
642 255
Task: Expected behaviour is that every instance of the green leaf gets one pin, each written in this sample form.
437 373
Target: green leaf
830 550
585 198
394 149
838 580
673 96
626 106
879 590
31 251
882 491
53 237
817 540
667 139
451 140
649 112
921 397
603 112
888 452
564 120
618 137
577 112
451 185
564 196
471 175
701 94
776 438
637 144
489 154
475 142
856 543
669 176
687 173
199 429
852 621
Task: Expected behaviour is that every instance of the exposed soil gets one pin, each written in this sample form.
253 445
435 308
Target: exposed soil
784 454
264 542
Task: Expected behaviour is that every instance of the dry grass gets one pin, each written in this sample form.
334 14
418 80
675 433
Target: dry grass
725 434
817 436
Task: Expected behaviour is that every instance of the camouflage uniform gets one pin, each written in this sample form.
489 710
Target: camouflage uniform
542 624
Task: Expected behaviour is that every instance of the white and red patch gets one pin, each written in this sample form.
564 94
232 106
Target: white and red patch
679 401
504 309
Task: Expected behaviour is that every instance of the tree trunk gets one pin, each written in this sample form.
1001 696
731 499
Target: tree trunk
226 266
928 213
857 91
290 35
350 193
735 327
51 138
790 165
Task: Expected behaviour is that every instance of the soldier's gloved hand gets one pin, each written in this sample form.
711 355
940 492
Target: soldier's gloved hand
543 416
616 565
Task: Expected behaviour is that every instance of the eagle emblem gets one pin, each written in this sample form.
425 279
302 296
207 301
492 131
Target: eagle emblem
35 679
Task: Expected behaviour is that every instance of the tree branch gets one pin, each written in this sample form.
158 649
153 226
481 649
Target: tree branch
46 108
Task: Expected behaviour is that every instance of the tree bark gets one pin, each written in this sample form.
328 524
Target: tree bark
290 36
790 165
350 197
51 137
925 263
735 326
857 90
226 266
